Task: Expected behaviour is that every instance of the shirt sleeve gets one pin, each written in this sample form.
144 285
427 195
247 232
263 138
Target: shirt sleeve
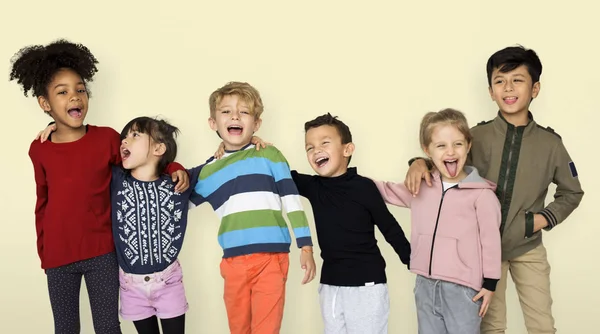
394 193
489 217
385 221
41 191
568 193
302 182
115 147
290 198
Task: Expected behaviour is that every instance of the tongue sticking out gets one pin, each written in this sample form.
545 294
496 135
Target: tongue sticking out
451 168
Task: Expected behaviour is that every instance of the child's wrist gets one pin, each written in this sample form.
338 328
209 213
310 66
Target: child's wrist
307 249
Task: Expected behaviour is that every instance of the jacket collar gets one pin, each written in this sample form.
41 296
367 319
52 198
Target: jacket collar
502 124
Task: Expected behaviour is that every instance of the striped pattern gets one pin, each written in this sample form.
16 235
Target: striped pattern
248 190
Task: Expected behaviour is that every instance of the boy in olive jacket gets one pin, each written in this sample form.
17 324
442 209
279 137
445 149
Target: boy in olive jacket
522 158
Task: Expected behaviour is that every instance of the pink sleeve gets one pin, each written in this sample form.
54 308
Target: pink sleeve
394 193
489 217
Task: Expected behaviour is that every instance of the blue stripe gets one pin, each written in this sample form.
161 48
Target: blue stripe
301 232
251 183
248 166
257 235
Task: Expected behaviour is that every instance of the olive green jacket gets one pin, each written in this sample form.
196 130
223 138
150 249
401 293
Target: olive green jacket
523 161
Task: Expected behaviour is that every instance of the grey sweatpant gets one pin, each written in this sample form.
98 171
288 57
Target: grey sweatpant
355 309
446 308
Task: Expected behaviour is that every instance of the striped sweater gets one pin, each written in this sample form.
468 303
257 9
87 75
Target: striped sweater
247 188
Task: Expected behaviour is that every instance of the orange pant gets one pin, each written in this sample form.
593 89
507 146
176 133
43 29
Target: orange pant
255 292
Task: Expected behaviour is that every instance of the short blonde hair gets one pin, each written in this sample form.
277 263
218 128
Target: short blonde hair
443 117
243 91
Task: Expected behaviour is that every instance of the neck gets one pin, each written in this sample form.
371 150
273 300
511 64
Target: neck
145 172
65 134
235 147
455 179
517 119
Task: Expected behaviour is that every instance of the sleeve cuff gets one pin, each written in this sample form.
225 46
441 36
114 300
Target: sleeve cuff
490 284
550 218
304 241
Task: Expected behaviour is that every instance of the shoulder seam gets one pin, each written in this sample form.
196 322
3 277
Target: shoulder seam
550 130
483 123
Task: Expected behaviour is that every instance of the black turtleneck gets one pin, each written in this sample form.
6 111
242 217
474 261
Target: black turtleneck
346 209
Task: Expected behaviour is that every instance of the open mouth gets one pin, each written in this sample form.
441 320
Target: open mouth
451 166
125 154
75 112
235 130
322 161
510 100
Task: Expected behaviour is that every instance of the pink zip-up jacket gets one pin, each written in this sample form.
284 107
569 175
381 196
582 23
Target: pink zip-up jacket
455 234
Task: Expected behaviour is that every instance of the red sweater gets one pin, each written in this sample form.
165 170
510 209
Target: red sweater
72 212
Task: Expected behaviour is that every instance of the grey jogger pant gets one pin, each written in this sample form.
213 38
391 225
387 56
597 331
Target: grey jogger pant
355 309
446 308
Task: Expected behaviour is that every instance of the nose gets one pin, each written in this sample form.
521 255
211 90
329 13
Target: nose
74 97
235 115
508 87
124 141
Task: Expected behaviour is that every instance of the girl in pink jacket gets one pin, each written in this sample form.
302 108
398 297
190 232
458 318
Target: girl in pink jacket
455 231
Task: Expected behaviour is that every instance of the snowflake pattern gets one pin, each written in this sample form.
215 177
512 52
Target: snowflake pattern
149 217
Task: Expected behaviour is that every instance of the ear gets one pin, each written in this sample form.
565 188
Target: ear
44 104
491 91
535 90
426 150
257 124
349 150
212 123
159 149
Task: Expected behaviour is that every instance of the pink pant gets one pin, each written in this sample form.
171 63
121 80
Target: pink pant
161 294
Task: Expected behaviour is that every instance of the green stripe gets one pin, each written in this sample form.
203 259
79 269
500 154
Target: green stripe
251 219
270 152
298 219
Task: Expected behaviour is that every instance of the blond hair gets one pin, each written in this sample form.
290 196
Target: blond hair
243 91
443 117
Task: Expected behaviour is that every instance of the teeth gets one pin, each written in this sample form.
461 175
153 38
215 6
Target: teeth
320 159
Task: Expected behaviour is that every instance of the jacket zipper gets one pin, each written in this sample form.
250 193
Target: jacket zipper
437 220
510 153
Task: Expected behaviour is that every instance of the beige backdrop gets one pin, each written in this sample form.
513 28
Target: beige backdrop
379 65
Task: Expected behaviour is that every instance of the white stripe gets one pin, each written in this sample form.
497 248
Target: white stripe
250 201
292 203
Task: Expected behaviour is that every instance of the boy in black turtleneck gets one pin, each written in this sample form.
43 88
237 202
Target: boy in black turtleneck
353 292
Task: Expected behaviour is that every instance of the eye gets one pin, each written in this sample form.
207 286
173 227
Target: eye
498 82
135 134
62 92
325 142
518 80
309 149
441 146
82 91
245 112
225 111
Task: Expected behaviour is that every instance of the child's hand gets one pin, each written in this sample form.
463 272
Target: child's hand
487 298
416 172
183 180
259 142
307 262
44 134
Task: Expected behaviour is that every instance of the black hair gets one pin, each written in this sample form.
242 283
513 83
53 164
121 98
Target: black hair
34 66
330 120
512 57
161 132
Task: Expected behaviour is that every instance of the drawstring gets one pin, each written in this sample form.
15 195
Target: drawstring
337 288
435 286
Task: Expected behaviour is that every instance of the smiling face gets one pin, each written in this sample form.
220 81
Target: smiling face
513 91
141 154
66 100
448 150
235 122
325 152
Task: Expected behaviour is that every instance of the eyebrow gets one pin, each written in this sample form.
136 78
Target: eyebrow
64 85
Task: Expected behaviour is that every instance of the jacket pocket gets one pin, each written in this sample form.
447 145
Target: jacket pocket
420 252
446 260
528 224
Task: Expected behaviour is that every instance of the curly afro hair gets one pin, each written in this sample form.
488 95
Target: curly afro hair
34 66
